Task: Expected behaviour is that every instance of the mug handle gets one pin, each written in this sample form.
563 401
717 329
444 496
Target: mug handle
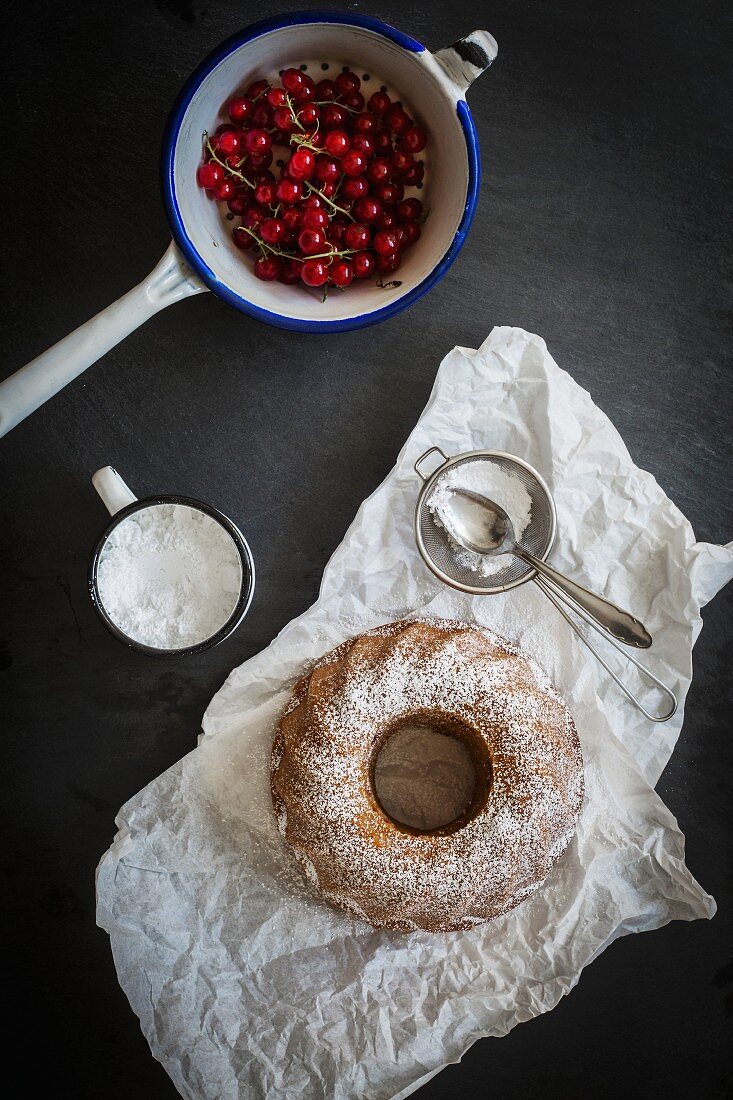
468 58
115 494
23 392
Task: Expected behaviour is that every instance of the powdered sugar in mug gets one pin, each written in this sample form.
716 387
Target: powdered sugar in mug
170 575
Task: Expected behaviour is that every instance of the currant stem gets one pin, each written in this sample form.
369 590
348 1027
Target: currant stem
226 167
320 194
294 116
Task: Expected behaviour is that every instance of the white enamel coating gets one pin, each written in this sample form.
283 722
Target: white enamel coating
429 86
115 493
23 392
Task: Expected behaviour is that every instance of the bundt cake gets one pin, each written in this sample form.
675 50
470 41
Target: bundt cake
460 681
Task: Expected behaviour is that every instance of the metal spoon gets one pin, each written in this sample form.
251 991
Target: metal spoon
480 525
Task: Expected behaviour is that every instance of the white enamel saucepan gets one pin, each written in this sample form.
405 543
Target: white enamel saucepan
202 257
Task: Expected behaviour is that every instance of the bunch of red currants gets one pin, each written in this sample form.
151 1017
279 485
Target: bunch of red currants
337 211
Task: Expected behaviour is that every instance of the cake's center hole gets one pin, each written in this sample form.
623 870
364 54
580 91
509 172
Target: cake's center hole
425 779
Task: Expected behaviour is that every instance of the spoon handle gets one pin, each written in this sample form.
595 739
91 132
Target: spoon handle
621 624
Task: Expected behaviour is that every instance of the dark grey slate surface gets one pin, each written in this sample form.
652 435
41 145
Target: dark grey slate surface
602 226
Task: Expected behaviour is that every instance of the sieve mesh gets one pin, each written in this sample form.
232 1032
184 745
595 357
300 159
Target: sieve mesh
436 549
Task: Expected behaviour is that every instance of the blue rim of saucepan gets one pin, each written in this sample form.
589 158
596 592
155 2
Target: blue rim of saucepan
190 253
246 591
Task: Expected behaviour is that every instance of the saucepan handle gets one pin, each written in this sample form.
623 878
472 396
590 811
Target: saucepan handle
23 392
468 58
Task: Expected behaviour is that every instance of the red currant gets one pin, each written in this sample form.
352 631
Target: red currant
364 143
260 161
309 114
314 272
336 230
305 93
385 242
355 101
356 187
402 162
224 191
414 139
257 141
379 103
272 230
290 272
282 118
342 273
337 142
409 210
302 164
365 123
397 119
357 236
382 142
238 203
292 79
387 193
364 264
265 192
367 209
254 216
262 115
277 97
327 169
387 264
414 175
267 268
292 218
410 233
326 90
210 175
348 83
239 108
353 163
379 170
288 191
334 117
387 220
311 241
257 89
242 238
314 218
229 142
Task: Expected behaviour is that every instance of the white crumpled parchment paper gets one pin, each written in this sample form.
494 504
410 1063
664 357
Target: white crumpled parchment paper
246 985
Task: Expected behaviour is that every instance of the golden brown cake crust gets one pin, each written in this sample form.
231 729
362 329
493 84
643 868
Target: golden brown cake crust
466 681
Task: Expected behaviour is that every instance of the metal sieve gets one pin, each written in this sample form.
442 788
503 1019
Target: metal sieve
432 541
539 536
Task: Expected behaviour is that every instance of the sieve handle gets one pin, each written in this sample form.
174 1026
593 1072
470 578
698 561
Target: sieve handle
115 494
621 624
424 455
558 598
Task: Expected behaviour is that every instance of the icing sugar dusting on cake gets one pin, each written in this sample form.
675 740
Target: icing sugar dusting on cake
485 477
322 755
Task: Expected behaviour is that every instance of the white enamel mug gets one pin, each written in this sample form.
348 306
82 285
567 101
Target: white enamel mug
121 503
202 257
